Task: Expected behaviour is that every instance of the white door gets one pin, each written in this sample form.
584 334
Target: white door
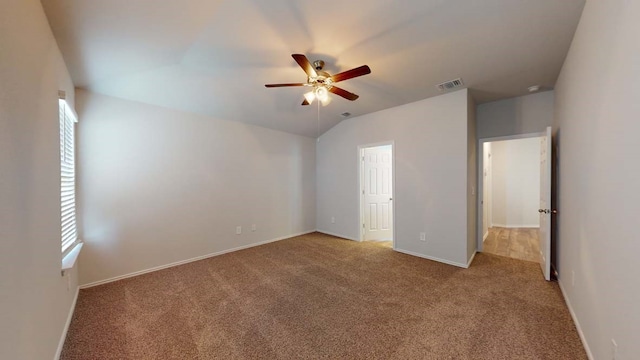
485 204
544 234
486 188
377 193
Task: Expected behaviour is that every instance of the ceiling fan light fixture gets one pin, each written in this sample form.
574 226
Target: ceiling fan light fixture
322 93
310 96
326 101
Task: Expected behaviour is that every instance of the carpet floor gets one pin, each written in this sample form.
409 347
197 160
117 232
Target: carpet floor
321 297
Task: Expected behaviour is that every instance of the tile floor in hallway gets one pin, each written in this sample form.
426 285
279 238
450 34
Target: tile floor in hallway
517 243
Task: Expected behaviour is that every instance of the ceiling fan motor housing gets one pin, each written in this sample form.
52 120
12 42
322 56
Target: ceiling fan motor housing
322 78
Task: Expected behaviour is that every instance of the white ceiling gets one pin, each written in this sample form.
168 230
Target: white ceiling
214 56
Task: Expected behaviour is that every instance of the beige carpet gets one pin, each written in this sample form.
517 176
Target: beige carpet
321 297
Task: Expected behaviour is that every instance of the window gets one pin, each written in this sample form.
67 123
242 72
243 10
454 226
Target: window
67 175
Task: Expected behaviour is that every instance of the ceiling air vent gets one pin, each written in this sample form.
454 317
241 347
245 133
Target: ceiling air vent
448 85
345 114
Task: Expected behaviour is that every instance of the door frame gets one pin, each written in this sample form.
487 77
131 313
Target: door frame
481 198
361 187
480 192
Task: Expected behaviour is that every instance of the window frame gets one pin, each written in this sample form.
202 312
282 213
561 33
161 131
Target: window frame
68 217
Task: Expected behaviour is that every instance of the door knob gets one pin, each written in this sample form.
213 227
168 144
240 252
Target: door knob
540 210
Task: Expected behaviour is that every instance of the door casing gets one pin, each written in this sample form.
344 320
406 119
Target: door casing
480 197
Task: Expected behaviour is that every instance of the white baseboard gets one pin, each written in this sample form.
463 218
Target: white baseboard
337 235
182 262
575 321
471 259
484 237
523 226
63 337
433 258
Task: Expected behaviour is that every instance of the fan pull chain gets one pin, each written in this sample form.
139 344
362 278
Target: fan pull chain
318 137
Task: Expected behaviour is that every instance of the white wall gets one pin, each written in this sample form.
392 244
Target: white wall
597 122
430 159
520 115
159 186
34 299
516 183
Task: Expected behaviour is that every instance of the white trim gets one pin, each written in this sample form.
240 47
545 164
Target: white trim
530 226
66 325
433 258
576 322
337 235
513 137
182 262
471 259
69 260
485 236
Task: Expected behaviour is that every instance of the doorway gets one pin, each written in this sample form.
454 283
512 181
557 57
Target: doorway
510 186
376 170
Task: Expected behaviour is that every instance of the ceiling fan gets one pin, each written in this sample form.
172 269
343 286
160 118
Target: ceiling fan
322 82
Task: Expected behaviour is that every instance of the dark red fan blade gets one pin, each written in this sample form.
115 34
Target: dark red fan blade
282 85
344 93
305 64
350 74
305 102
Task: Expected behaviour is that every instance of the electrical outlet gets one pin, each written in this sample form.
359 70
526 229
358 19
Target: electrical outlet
253 227
238 230
614 350
423 236
573 278
333 220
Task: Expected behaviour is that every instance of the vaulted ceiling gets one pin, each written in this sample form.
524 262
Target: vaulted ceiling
213 57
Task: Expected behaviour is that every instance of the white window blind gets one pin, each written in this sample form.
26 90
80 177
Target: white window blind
67 176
